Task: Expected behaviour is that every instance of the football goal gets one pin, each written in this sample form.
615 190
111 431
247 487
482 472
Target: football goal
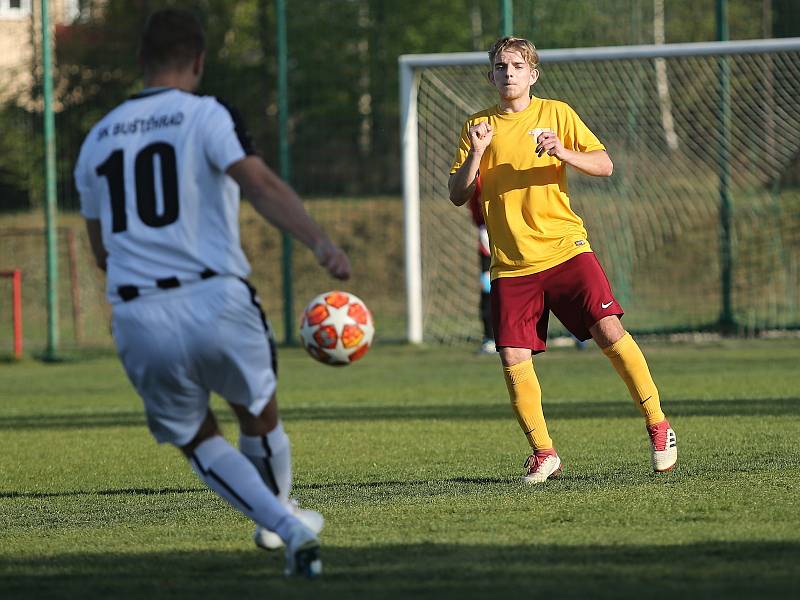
698 228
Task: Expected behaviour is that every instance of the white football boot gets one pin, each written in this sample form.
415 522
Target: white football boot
663 446
269 540
541 466
302 553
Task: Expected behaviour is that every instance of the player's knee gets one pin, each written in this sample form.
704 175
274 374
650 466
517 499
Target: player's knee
259 424
513 356
607 331
207 430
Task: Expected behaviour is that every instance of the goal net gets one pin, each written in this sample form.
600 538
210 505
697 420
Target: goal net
698 228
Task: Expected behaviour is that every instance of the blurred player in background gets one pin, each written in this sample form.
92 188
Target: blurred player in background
484 259
158 181
541 258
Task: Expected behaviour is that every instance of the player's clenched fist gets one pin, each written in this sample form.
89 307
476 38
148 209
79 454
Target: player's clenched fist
480 136
548 142
333 259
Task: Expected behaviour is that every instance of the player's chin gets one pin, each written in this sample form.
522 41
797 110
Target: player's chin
510 93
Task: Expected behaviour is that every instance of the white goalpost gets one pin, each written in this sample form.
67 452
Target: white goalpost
659 224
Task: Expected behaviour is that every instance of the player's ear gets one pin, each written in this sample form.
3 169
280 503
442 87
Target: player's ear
140 61
490 77
534 75
199 63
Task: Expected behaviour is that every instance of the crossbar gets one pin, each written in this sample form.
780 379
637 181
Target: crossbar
416 61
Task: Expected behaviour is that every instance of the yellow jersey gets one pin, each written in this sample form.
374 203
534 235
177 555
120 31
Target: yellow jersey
525 199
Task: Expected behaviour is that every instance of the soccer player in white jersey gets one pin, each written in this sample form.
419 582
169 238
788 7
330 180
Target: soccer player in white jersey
159 180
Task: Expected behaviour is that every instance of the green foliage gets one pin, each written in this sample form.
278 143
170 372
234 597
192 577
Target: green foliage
618 22
20 186
414 457
343 71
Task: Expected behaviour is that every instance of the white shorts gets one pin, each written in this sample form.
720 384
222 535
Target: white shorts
179 345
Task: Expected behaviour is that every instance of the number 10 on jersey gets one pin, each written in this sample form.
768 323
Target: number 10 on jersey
145 176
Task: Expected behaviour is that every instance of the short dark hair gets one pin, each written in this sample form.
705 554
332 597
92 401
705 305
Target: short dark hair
525 47
171 38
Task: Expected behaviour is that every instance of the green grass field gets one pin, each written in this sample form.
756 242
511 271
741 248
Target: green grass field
414 457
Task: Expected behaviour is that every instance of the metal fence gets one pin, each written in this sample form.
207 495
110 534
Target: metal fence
343 134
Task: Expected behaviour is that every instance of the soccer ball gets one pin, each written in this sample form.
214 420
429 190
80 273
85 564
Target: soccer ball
336 328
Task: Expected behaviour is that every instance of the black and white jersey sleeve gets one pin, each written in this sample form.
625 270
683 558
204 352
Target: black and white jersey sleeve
227 140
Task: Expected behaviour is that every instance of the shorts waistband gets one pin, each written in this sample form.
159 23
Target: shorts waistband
131 292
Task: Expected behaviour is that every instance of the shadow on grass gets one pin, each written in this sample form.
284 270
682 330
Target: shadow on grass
705 570
555 410
113 492
298 486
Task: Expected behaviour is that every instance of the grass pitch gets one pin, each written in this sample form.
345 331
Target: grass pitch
414 457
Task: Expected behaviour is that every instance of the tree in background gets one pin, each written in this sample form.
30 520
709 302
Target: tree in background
343 73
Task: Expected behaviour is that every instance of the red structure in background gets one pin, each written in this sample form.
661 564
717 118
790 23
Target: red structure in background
16 307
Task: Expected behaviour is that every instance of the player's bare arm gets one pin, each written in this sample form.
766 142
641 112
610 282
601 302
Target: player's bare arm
278 203
462 183
95 234
596 162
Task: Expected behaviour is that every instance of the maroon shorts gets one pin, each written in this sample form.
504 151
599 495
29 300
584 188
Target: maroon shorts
577 291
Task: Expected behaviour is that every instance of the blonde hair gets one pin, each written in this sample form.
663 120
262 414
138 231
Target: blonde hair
521 45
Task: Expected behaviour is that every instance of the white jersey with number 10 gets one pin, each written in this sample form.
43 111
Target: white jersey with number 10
153 172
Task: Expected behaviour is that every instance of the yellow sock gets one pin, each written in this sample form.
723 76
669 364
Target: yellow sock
526 400
629 362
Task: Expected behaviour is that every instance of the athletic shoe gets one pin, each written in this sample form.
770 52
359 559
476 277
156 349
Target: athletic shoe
302 553
487 347
663 446
541 466
269 540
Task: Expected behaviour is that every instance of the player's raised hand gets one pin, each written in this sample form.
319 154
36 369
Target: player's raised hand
480 136
332 258
549 143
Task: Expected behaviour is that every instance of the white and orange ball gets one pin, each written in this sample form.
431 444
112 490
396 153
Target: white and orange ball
337 328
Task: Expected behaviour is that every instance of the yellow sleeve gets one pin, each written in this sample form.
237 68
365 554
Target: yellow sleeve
462 150
577 136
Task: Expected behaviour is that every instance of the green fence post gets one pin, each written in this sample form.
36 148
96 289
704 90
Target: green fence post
51 231
507 17
285 170
726 320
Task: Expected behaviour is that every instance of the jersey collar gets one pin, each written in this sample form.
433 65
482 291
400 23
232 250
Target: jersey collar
517 115
151 91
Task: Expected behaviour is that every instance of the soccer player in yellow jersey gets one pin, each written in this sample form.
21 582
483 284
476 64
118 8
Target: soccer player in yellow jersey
541 258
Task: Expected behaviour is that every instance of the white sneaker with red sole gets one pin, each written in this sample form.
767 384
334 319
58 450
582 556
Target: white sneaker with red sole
541 466
663 446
